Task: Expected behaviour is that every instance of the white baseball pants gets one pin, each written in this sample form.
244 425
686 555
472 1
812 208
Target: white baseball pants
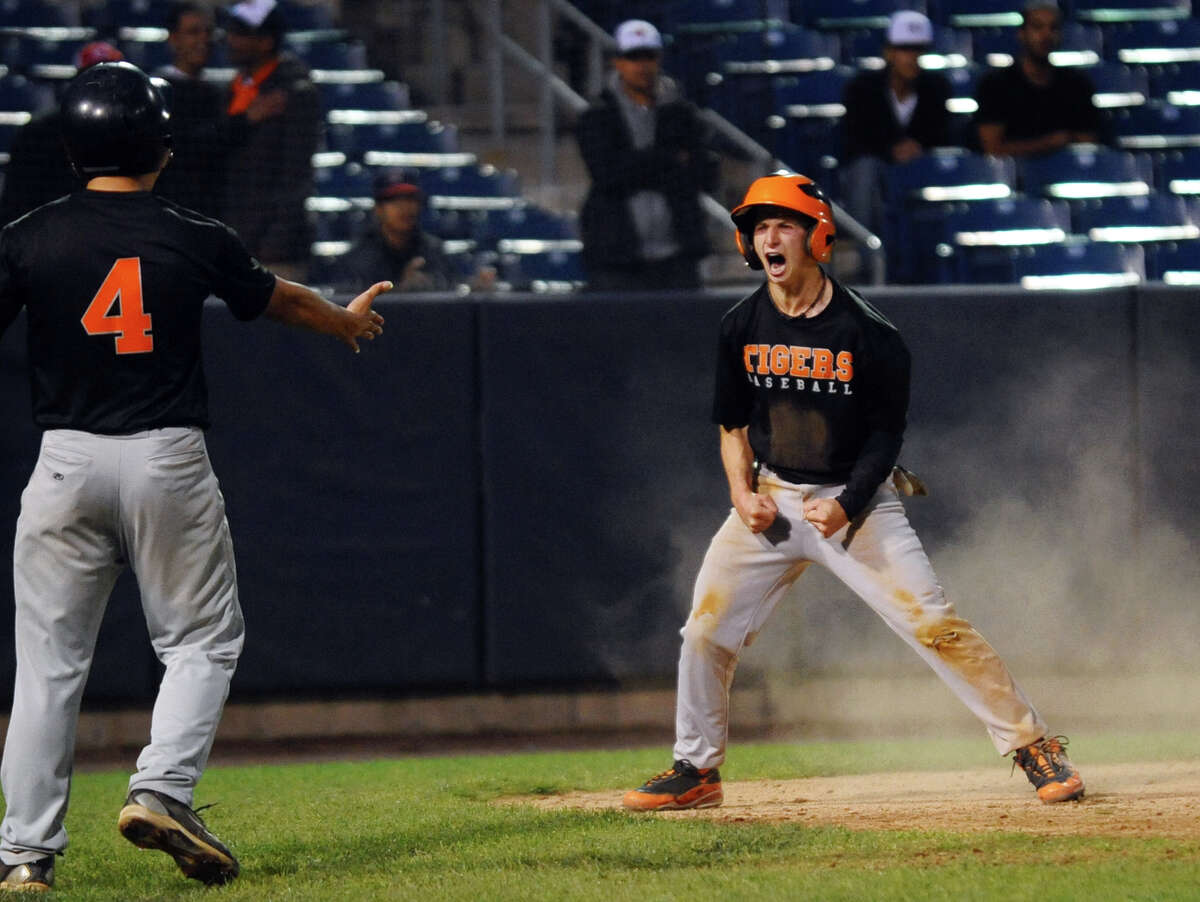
93 504
745 575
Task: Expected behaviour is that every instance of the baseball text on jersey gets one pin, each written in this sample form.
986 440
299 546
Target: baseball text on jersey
788 366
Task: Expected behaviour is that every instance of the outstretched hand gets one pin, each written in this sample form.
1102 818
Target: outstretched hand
365 322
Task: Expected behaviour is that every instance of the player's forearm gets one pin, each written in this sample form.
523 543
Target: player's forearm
737 458
299 305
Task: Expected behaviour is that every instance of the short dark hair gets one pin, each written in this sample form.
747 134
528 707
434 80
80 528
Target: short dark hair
1036 6
176 12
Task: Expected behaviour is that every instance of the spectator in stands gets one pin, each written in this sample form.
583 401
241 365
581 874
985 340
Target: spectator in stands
893 115
268 173
394 244
646 152
38 170
194 177
1034 107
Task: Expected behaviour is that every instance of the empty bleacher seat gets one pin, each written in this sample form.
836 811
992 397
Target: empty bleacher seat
1087 171
849 14
1135 220
20 97
111 15
981 13
728 15
918 193
1178 263
1176 83
307 17
1117 85
384 132
777 50
1079 265
1156 125
336 55
344 180
526 228
19 15
382 95
979 237
1178 171
1130 10
804 114
557 270
466 182
1153 43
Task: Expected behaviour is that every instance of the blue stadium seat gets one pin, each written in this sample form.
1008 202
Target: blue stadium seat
1087 171
19 94
777 50
804 114
1130 10
111 15
554 270
385 95
404 135
918 193
1117 86
849 14
470 181
338 223
978 238
147 55
1135 220
1178 171
1153 43
522 223
1178 263
1176 83
22 14
1156 125
315 16
728 15
980 13
349 180
7 131
331 54
1079 265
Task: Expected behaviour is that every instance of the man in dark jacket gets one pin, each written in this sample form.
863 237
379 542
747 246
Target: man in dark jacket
892 116
394 243
269 174
645 150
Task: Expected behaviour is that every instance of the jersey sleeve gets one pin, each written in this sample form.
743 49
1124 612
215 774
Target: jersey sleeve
10 298
244 284
733 398
886 415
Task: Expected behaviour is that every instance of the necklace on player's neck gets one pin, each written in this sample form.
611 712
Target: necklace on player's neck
816 298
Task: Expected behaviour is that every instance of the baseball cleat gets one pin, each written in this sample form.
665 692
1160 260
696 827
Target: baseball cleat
33 877
1048 768
683 786
152 820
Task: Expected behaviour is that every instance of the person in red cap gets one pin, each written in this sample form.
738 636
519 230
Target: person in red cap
37 170
394 244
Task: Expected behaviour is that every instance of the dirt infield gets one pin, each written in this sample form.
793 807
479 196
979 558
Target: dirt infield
1156 800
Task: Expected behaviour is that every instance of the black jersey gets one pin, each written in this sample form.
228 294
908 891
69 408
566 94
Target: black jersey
825 398
114 284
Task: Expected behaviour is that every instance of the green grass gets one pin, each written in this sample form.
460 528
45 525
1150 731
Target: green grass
428 829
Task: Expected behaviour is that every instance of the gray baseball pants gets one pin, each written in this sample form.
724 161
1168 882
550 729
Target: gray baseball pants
94 504
745 575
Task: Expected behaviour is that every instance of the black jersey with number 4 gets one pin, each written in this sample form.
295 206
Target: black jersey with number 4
825 398
114 285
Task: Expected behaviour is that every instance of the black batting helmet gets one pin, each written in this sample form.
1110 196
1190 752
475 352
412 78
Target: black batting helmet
114 122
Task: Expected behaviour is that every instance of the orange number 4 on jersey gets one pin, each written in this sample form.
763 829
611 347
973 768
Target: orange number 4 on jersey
122 288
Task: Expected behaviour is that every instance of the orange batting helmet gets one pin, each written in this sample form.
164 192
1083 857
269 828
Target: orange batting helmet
793 192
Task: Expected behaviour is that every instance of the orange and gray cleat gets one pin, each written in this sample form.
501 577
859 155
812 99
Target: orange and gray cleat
683 786
1048 768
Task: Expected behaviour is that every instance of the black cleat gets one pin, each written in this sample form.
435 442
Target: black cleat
32 877
153 820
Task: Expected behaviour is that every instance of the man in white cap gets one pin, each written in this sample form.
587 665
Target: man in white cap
893 115
645 150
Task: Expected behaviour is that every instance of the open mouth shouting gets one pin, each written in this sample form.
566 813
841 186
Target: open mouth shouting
775 264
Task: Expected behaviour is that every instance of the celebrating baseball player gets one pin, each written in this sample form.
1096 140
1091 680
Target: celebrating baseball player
114 281
811 399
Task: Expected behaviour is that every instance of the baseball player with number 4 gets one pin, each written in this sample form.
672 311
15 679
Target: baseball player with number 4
114 281
811 400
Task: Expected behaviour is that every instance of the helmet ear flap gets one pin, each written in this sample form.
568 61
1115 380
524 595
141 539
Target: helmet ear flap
745 244
820 241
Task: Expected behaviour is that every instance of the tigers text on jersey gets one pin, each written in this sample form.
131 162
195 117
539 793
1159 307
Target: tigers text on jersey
825 398
114 285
